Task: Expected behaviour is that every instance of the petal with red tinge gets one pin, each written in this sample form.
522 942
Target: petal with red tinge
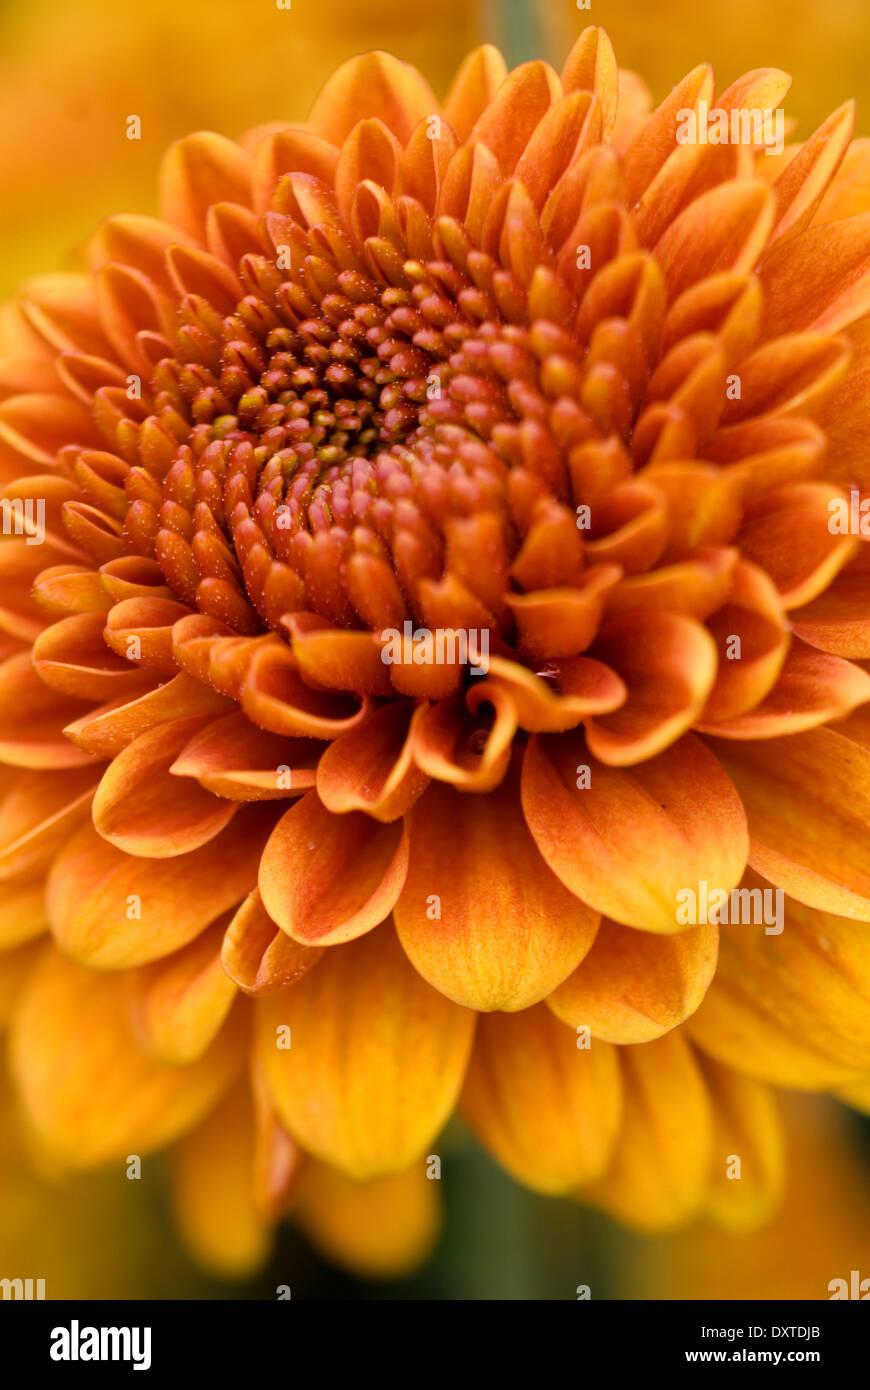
326 879
628 840
481 916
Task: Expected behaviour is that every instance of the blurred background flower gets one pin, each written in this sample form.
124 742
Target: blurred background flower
69 79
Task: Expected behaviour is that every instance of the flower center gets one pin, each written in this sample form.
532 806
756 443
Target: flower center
338 445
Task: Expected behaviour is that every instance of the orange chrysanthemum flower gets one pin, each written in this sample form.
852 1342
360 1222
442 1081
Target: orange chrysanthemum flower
462 476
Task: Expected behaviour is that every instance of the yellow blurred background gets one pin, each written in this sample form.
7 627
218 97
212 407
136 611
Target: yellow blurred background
70 75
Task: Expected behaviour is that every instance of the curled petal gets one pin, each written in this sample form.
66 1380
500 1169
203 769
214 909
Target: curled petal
788 535
259 957
276 697
72 657
668 663
553 623
109 729
561 695
371 768
813 689
452 742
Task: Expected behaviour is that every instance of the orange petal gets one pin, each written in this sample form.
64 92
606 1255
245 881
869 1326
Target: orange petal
790 1008
139 807
381 1229
89 1092
746 1127
345 661
818 279
591 67
276 697
560 695
371 768
72 657
473 88
148 622
38 814
668 663
22 913
326 879
481 917
656 139
15 967
290 151
522 100
725 229
106 731
33 717
375 1058
110 910
232 758
373 84
451 740
803 843
631 839
813 689
787 533
849 192
547 1109
751 633
258 956
838 621
198 171
179 1004
633 986
213 1191
562 622
661 1170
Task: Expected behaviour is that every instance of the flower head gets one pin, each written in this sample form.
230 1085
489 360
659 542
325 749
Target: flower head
439 607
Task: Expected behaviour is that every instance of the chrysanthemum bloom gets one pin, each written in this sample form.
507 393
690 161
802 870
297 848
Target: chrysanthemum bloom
439 583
